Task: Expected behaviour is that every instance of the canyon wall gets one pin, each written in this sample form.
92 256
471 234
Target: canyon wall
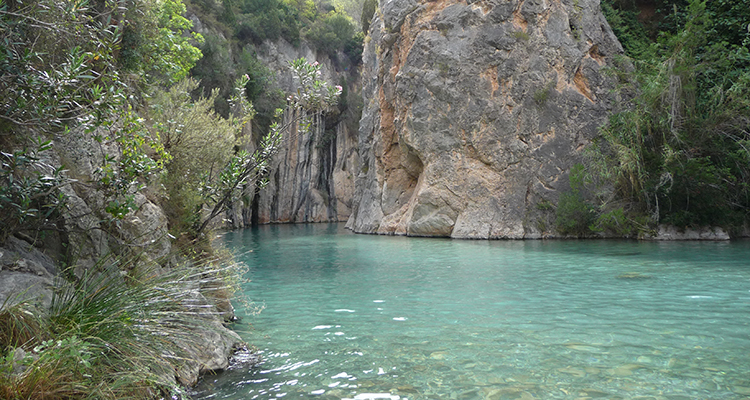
474 113
312 178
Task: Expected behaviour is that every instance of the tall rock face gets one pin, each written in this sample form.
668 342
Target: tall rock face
312 176
474 113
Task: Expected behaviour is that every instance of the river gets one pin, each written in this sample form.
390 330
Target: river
350 316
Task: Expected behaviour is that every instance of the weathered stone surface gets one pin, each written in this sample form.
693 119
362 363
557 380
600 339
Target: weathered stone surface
312 178
25 274
474 112
669 232
218 345
17 287
88 235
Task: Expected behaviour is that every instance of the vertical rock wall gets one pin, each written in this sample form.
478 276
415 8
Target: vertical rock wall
312 178
474 112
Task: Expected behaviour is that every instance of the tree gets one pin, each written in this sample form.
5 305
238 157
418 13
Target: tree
368 11
61 69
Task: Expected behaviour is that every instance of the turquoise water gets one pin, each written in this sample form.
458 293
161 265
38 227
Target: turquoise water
369 317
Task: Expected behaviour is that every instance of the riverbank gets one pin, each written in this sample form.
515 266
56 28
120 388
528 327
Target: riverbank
118 330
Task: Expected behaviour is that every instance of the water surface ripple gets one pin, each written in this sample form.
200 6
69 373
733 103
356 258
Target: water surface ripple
375 317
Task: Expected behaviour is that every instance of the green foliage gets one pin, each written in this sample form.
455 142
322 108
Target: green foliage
228 55
574 215
541 95
211 167
216 70
521 35
268 20
61 64
368 11
312 97
109 336
617 222
200 143
331 33
138 159
262 92
57 66
623 18
352 8
680 154
29 196
157 40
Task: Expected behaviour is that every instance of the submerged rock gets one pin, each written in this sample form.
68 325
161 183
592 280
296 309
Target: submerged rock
475 112
633 275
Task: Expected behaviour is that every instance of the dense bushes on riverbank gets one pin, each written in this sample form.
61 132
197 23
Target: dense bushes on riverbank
131 315
679 152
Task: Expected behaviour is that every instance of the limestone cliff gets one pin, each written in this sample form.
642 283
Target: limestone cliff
312 176
474 112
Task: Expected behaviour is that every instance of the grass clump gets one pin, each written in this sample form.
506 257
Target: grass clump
111 335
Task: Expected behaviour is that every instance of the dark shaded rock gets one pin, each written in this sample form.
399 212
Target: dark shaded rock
312 178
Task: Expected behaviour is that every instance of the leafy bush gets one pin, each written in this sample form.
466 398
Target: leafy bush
262 92
632 34
680 153
200 143
331 33
61 71
57 69
29 196
268 20
574 215
157 41
215 70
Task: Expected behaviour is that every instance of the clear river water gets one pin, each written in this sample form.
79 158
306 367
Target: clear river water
375 317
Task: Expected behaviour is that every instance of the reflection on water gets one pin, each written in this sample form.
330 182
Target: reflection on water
374 317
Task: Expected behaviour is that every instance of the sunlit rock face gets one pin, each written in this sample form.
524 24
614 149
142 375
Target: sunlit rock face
474 113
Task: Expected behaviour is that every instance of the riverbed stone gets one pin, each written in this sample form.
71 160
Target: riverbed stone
475 112
742 390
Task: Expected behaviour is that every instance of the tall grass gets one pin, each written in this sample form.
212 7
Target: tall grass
111 335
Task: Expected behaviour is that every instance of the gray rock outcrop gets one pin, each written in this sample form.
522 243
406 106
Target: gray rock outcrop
85 238
312 178
25 274
474 112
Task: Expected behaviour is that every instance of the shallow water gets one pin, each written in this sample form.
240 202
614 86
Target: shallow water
366 317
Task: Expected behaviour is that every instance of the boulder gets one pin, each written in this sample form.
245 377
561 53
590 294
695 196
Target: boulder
26 274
